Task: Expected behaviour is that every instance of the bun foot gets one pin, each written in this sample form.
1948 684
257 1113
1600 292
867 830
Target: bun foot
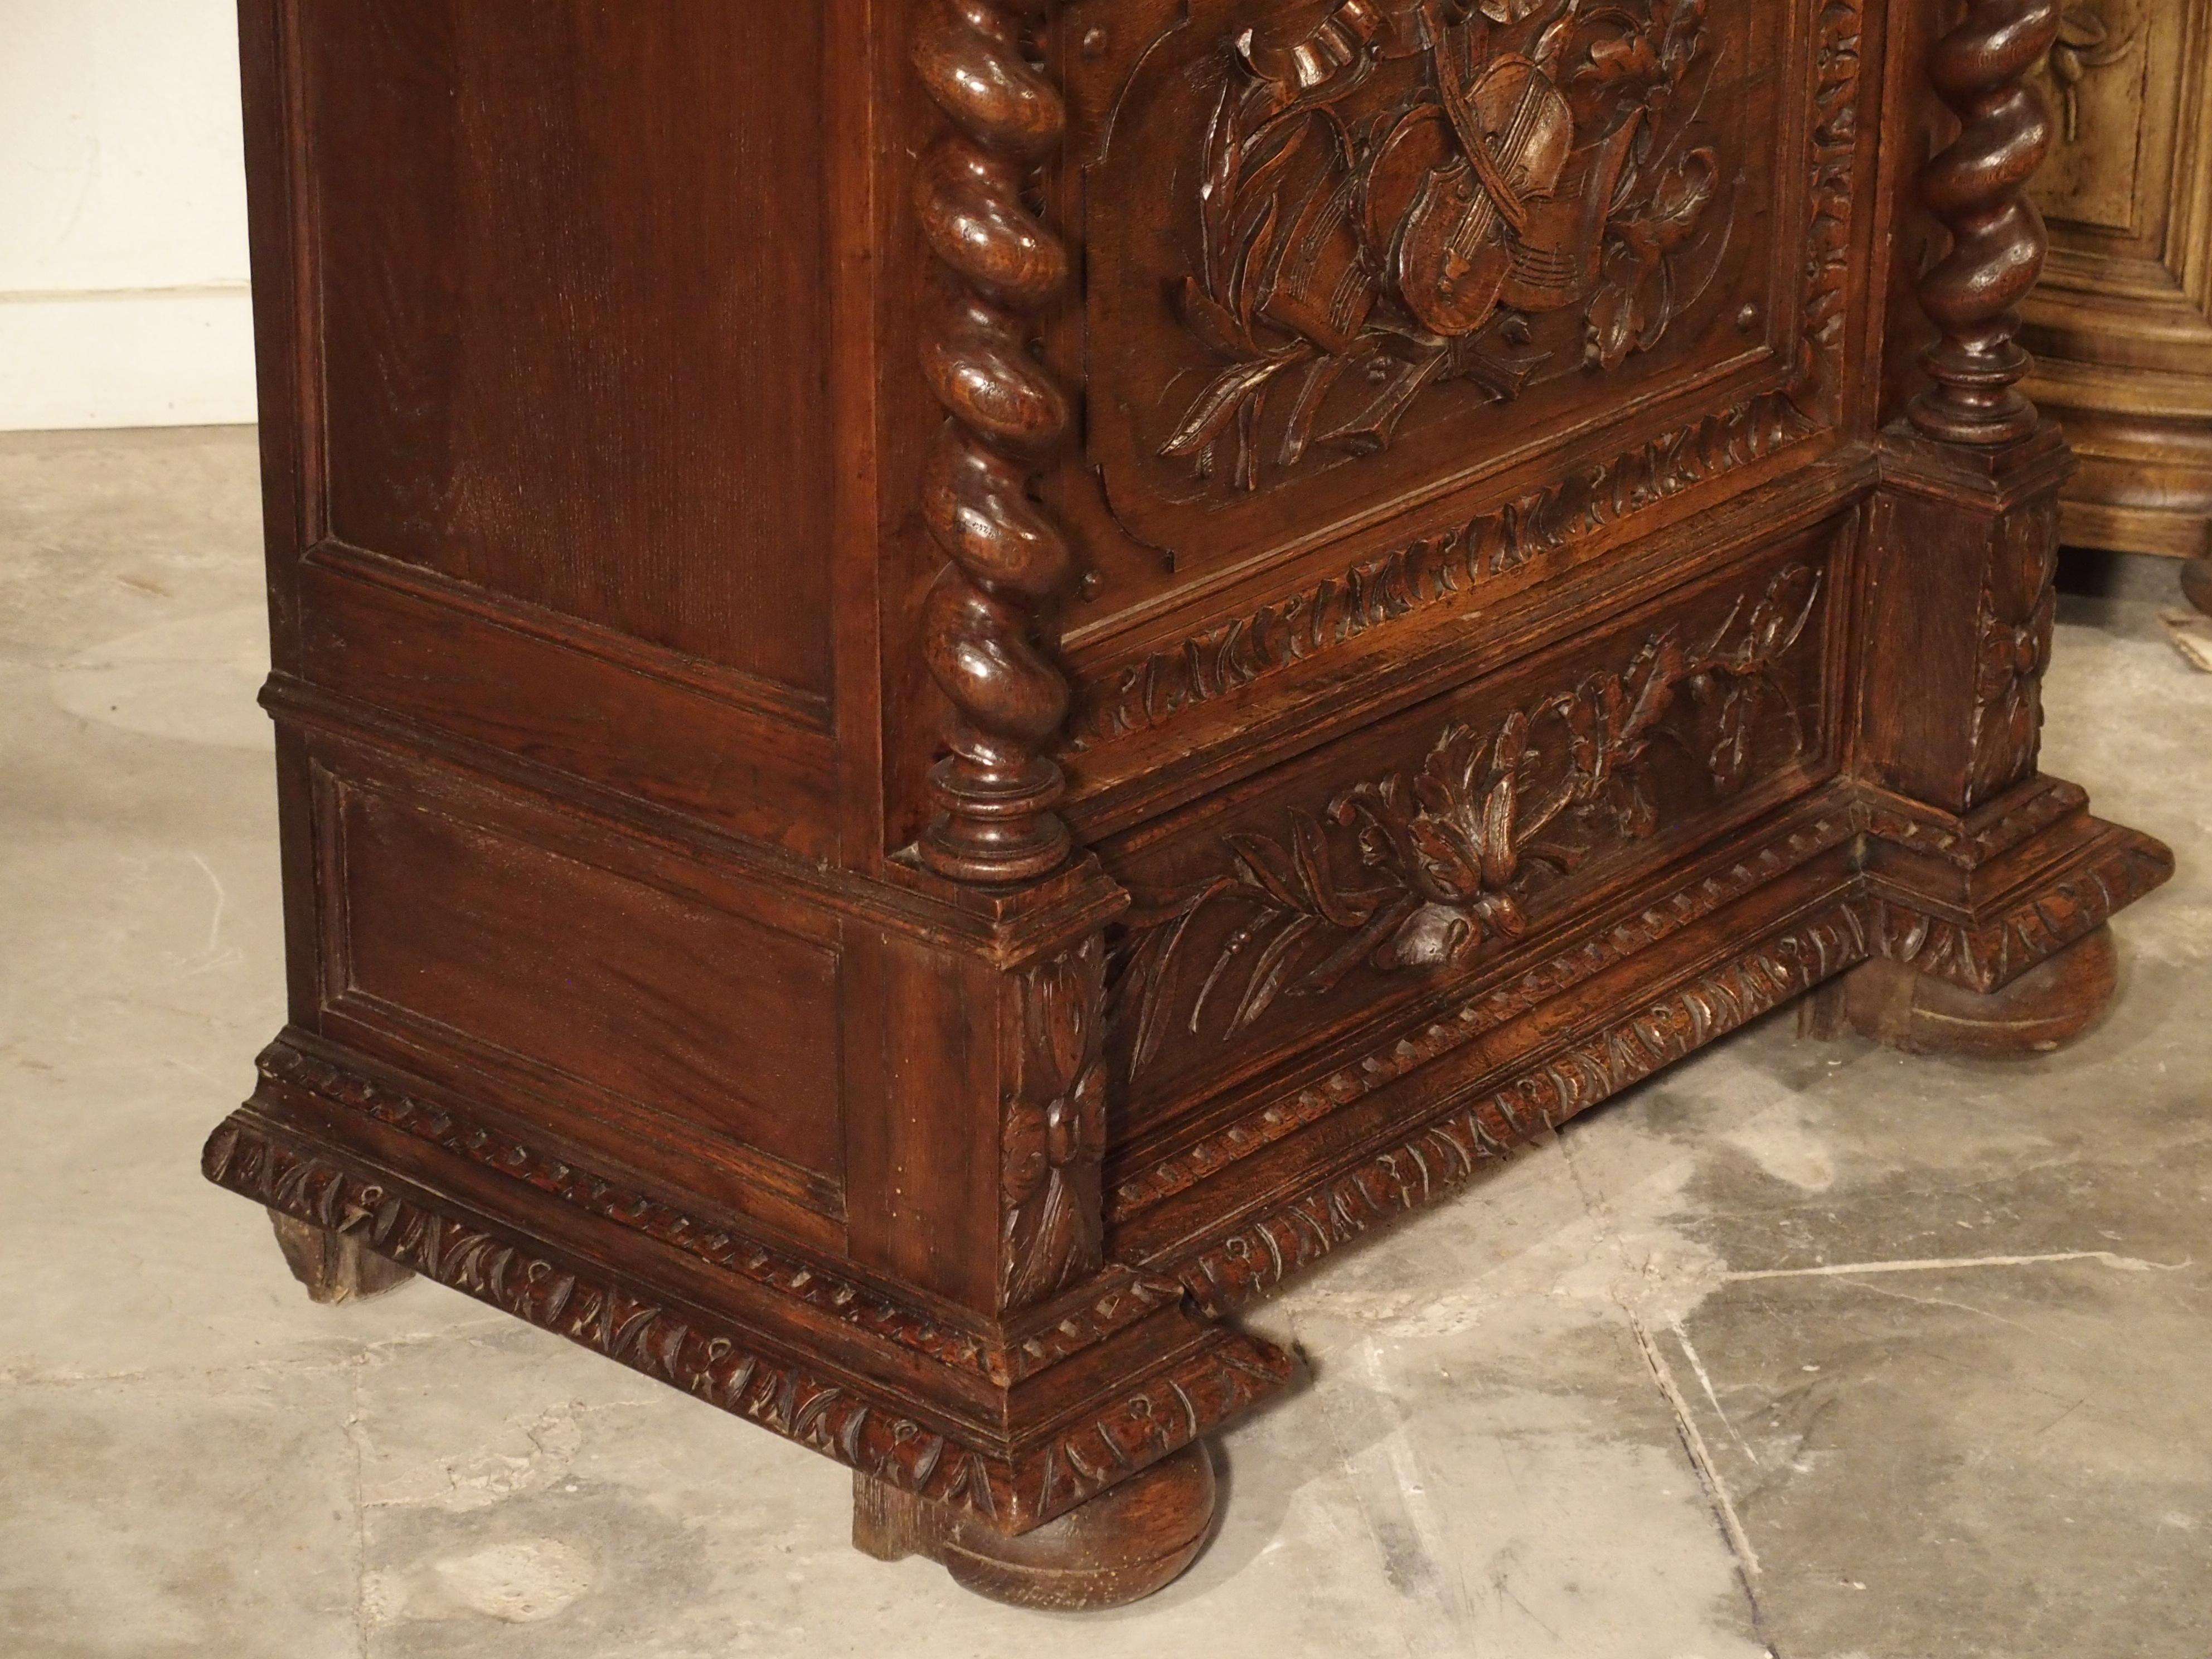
2197 582
2046 1008
1126 1543
333 1267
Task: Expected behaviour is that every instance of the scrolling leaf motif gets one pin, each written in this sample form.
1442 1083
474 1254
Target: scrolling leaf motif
1398 196
1448 855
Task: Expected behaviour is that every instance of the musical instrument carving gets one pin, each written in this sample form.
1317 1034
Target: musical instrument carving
1400 190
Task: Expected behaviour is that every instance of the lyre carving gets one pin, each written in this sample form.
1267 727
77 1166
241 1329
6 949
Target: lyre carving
985 619
1977 186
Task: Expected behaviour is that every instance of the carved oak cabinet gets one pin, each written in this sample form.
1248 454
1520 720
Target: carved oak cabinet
957 681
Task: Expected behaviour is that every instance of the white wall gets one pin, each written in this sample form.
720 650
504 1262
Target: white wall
123 261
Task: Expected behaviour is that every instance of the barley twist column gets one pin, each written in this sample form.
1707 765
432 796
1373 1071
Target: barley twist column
986 618
1975 186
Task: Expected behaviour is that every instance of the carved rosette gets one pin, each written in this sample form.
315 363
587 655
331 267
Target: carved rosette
1977 186
985 619
1054 1138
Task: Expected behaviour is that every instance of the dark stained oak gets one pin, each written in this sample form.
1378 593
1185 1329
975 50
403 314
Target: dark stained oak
957 681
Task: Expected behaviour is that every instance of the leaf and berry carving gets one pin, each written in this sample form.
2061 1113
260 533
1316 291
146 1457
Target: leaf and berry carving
1421 869
1396 199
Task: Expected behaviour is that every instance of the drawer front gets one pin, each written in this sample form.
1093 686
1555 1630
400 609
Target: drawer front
1317 900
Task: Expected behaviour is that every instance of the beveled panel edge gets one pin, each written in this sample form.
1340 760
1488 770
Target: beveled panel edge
799 1200
757 693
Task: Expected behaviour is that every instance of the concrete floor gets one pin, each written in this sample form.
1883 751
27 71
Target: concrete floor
1937 1331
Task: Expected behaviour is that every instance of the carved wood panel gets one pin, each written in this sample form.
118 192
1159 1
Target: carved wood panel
1414 851
1404 239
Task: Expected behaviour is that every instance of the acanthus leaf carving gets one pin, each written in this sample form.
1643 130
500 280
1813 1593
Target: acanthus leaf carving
2087 44
1447 855
1155 1415
2013 625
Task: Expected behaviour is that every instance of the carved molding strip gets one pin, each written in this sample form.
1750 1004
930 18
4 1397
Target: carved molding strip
1440 567
1407 1053
1447 1153
1970 843
2124 867
1988 957
1163 1413
1125 1302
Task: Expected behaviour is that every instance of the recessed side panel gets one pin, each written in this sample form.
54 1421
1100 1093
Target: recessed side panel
570 287
602 993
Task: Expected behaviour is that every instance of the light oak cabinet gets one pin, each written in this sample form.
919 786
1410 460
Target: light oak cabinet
2122 325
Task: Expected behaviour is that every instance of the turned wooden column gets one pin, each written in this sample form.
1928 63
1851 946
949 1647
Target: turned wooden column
987 617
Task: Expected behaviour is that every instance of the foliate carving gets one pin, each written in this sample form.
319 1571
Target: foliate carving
2012 650
1054 1127
1402 195
1447 856
1435 570
1441 568
1168 1412
1977 186
2087 44
1160 1414
1817 388
1405 1051
1118 1306
1988 957
985 621
720 1366
1226 1271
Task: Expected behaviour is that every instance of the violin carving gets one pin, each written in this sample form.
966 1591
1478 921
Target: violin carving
1391 199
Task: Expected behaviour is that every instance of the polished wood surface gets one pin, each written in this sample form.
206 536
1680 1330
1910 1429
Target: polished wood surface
957 681
2121 326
